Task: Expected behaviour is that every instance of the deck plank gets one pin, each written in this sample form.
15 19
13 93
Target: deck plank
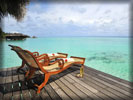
91 81
16 85
8 86
77 91
84 84
2 82
3 72
33 92
83 89
116 79
112 85
121 85
112 95
34 95
117 92
44 95
67 91
52 93
26 95
1 92
71 87
101 95
95 85
59 91
24 89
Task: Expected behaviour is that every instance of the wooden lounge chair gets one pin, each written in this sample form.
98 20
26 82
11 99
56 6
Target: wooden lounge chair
57 66
39 57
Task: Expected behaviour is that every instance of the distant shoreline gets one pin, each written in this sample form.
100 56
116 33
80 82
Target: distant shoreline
87 36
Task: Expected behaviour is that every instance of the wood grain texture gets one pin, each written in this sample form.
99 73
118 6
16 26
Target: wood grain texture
95 85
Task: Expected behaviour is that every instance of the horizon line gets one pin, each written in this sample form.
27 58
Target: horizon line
81 36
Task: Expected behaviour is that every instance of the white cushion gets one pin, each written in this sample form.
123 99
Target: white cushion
51 54
68 59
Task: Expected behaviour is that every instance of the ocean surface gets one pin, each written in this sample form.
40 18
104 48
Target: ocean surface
107 54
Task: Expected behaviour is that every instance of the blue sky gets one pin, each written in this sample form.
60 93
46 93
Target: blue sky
52 19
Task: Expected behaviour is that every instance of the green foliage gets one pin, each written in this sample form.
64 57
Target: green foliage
2 34
15 8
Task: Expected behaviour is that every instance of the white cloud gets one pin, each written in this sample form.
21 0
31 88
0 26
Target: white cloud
14 32
82 14
99 17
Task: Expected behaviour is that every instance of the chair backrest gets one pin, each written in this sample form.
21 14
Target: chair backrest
26 56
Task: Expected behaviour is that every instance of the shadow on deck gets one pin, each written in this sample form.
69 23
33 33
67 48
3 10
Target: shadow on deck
95 85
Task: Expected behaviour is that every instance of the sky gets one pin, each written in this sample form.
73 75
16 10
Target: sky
64 19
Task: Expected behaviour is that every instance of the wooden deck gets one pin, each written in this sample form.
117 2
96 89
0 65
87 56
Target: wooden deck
95 85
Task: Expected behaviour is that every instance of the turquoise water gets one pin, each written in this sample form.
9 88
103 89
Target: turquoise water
107 54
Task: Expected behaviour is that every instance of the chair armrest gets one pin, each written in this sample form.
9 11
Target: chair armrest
46 59
51 63
63 54
42 55
59 61
79 58
35 54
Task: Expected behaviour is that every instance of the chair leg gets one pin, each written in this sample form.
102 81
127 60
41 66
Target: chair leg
44 82
21 66
27 73
30 73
